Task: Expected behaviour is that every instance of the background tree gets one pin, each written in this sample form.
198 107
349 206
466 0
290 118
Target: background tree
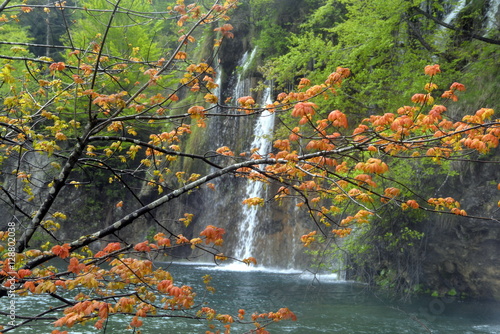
118 113
383 42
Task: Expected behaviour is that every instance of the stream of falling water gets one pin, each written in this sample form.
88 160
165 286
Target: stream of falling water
242 86
247 227
443 33
456 9
493 16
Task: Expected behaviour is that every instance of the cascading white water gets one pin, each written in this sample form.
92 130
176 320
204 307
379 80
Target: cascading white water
242 86
268 234
493 16
454 12
247 227
247 220
442 34
218 81
492 22
223 129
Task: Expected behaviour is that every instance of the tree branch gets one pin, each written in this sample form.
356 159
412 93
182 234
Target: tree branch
59 183
4 4
449 26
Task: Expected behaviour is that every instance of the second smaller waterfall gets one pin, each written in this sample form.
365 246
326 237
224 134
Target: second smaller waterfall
454 12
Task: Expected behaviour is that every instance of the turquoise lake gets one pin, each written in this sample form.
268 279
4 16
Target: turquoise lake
322 303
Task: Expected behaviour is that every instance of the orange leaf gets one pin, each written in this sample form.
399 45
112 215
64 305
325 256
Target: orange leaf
23 273
213 234
142 247
181 239
30 285
342 232
250 260
224 150
56 331
338 119
457 86
432 70
163 242
302 109
111 247
307 239
57 66
180 55
75 266
136 322
61 251
196 111
412 204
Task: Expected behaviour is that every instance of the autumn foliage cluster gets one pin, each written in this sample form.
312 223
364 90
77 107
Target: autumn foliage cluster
128 115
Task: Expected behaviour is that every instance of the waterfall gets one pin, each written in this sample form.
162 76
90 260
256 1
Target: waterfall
247 228
218 81
242 86
224 129
270 233
493 19
244 134
443 33
454 12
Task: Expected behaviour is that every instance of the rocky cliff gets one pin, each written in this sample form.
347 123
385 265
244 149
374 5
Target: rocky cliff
462 254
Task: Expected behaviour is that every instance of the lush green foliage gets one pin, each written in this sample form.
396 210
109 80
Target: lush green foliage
383 42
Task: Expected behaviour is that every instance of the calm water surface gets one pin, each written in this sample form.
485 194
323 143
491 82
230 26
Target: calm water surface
321 303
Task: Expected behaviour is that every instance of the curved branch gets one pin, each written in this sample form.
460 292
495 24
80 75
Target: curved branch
147 15
129 219
58 184
4 4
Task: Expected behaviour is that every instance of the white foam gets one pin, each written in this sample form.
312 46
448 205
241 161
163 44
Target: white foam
186 263
242 267
493 329
324 278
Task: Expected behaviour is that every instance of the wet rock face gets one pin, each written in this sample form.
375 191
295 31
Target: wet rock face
464 254
465 258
